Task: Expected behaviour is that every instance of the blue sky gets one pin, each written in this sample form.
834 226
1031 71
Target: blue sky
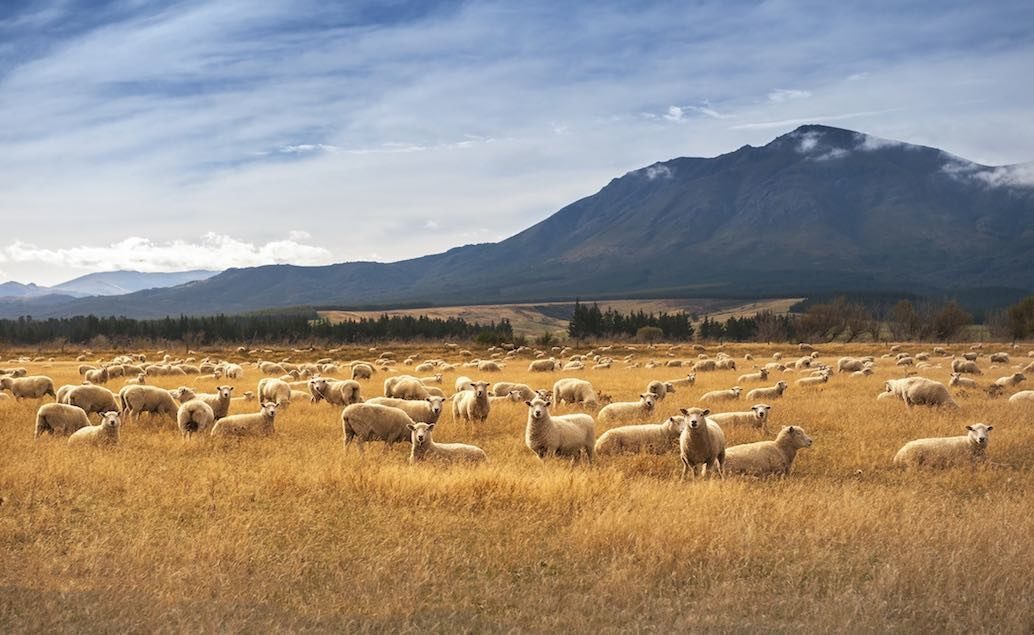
213 134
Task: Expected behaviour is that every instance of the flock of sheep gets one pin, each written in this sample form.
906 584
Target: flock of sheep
413 404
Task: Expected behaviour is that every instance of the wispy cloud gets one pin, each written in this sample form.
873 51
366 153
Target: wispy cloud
787 123
780 95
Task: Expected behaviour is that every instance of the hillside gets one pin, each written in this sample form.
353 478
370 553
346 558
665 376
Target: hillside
817 210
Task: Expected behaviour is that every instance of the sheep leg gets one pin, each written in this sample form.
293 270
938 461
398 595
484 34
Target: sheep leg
685 467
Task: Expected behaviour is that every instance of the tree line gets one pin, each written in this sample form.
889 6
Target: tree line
590 321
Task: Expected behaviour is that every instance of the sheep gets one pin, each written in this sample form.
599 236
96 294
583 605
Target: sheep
946 451
688 380
363 422
704 365
920 391
138 399
363 371
97 376
489 367
195 416
725 364
865 372
252 424
769 392
60 419
472 405
219 402
141 378
433 379
761 375
560 435
28 387
1023 396
962 382
543 365
275 390
657 438
575 391
756 417
965 366
701 442
426 450
723 395
813 381
504 388
427 411
999 358
767 458
409 388
628 411
514 396
463 383
1010 380
660 389
91 399
183 393
104 433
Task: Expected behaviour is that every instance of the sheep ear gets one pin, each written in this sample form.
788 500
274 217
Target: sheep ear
706 412
430 426
411 426
527 403
970 428
990 428
684 411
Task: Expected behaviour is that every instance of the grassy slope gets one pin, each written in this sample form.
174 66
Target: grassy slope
292 533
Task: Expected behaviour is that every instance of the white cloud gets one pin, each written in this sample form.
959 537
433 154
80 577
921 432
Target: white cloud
832 153
871 143
675 113
298 235
1021 175
808 142
431 224
658 172
780 95
786 123
210 251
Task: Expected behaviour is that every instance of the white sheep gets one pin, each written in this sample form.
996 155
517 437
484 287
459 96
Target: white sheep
572 390
91 399
362 371
769 392
999 358
723 395
1024 396
426 411
688 380
194 416
560 435
135 400
920 391
958 381
426 450
60 419
965 366
252 424
472 405
543 365
946 451
363 422
767 458
660 388
218 402
760 375
756 417
335 392
504 388
28 387
702 443
657 438
813 381
105 433
628 411
1010 381
488 366
275 390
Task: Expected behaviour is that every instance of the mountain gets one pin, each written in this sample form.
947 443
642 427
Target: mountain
816 210
105 283
19 290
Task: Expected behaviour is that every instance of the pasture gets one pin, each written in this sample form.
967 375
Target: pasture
294 534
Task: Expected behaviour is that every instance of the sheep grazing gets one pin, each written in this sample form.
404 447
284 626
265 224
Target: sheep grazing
999 358
575 391
543 365
660 388
920 391
408 388
958 381
91 399
60 419
275 390
252 424
338 392
761 375
756 417
195 417
702 443
1010 381
504 388
628 411
965 366
769 392
767 458
850 364
105 433
362 371
681 382
731 394
705 365
29 387
487 366
813 381
426 411
1024 396
472 405
657 438
425 450
561 435
364 422
946 451
97 376
136 400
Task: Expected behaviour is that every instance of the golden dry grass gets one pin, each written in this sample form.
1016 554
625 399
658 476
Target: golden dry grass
290 533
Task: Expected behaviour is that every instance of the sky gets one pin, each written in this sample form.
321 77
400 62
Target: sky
213 134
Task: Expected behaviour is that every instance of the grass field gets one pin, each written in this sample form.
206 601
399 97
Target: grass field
293 534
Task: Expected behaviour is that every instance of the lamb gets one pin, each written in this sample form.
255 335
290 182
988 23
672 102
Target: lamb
219 402
561 435
543 365
275 390
362 371
701 442
756 417
919 391
29 387
504 388
660 389
365 422
426 450
723 395
657 438
946 451
91 399
770 392
105 433
1024 396
962 382
575 391
252 424
628 411
965 366
761 375
471 405
427 411
1010 380
195 416
139 399
813 381
767 458
60 419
